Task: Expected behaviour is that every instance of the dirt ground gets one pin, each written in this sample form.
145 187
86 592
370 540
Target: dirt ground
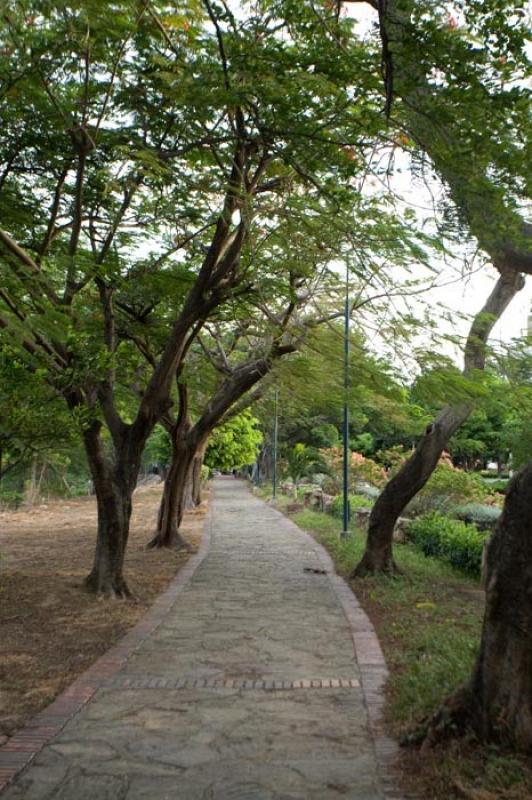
50 629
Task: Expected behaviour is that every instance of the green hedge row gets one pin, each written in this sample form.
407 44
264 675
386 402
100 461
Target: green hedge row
457 542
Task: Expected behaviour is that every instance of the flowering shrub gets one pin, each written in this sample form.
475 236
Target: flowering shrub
360 467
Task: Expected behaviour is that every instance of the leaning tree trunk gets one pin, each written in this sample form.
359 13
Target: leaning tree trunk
403 487
416 471
497 700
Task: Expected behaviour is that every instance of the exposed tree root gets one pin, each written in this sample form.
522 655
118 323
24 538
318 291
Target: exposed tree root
106 587
175 542
453 719
373 566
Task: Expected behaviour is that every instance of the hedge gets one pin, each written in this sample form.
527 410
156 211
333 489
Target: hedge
457 542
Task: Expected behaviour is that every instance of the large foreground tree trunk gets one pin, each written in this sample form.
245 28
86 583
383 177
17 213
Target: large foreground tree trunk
114 514
497 700
416 471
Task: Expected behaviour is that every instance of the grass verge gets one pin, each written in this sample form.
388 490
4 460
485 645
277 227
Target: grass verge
428 622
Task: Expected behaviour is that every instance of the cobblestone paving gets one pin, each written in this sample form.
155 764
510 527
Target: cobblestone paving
248 690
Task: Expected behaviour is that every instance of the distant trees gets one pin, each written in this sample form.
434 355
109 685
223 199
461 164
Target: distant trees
235 443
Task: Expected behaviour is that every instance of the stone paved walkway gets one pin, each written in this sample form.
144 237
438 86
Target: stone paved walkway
248 689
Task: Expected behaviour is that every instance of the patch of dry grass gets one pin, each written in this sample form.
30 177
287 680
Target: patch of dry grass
52 629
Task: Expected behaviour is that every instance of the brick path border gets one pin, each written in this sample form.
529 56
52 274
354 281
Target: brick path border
21 748
247 684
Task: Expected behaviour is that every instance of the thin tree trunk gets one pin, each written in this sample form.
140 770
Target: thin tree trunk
196 474
31 493
188 501
172 506
416 471
497 700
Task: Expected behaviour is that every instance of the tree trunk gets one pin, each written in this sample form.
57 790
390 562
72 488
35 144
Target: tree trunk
31 491
113 486
188 502
416 471
497 700
114 514
196 474
173 500
402 488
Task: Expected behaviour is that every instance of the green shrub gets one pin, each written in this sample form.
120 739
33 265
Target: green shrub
448 487
498 485
11 498
478 513
452 540
356 501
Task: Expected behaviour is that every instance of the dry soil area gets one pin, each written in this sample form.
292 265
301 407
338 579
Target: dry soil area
50 628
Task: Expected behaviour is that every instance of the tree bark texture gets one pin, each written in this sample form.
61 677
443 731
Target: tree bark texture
416 471
113 485
497 701
195 473
173 501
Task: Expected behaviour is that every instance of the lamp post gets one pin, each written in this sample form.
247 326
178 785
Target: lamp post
345 509
275 439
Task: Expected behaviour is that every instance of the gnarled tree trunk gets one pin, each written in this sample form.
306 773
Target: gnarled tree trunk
113 486
114 514
416 471
190 440
497 700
